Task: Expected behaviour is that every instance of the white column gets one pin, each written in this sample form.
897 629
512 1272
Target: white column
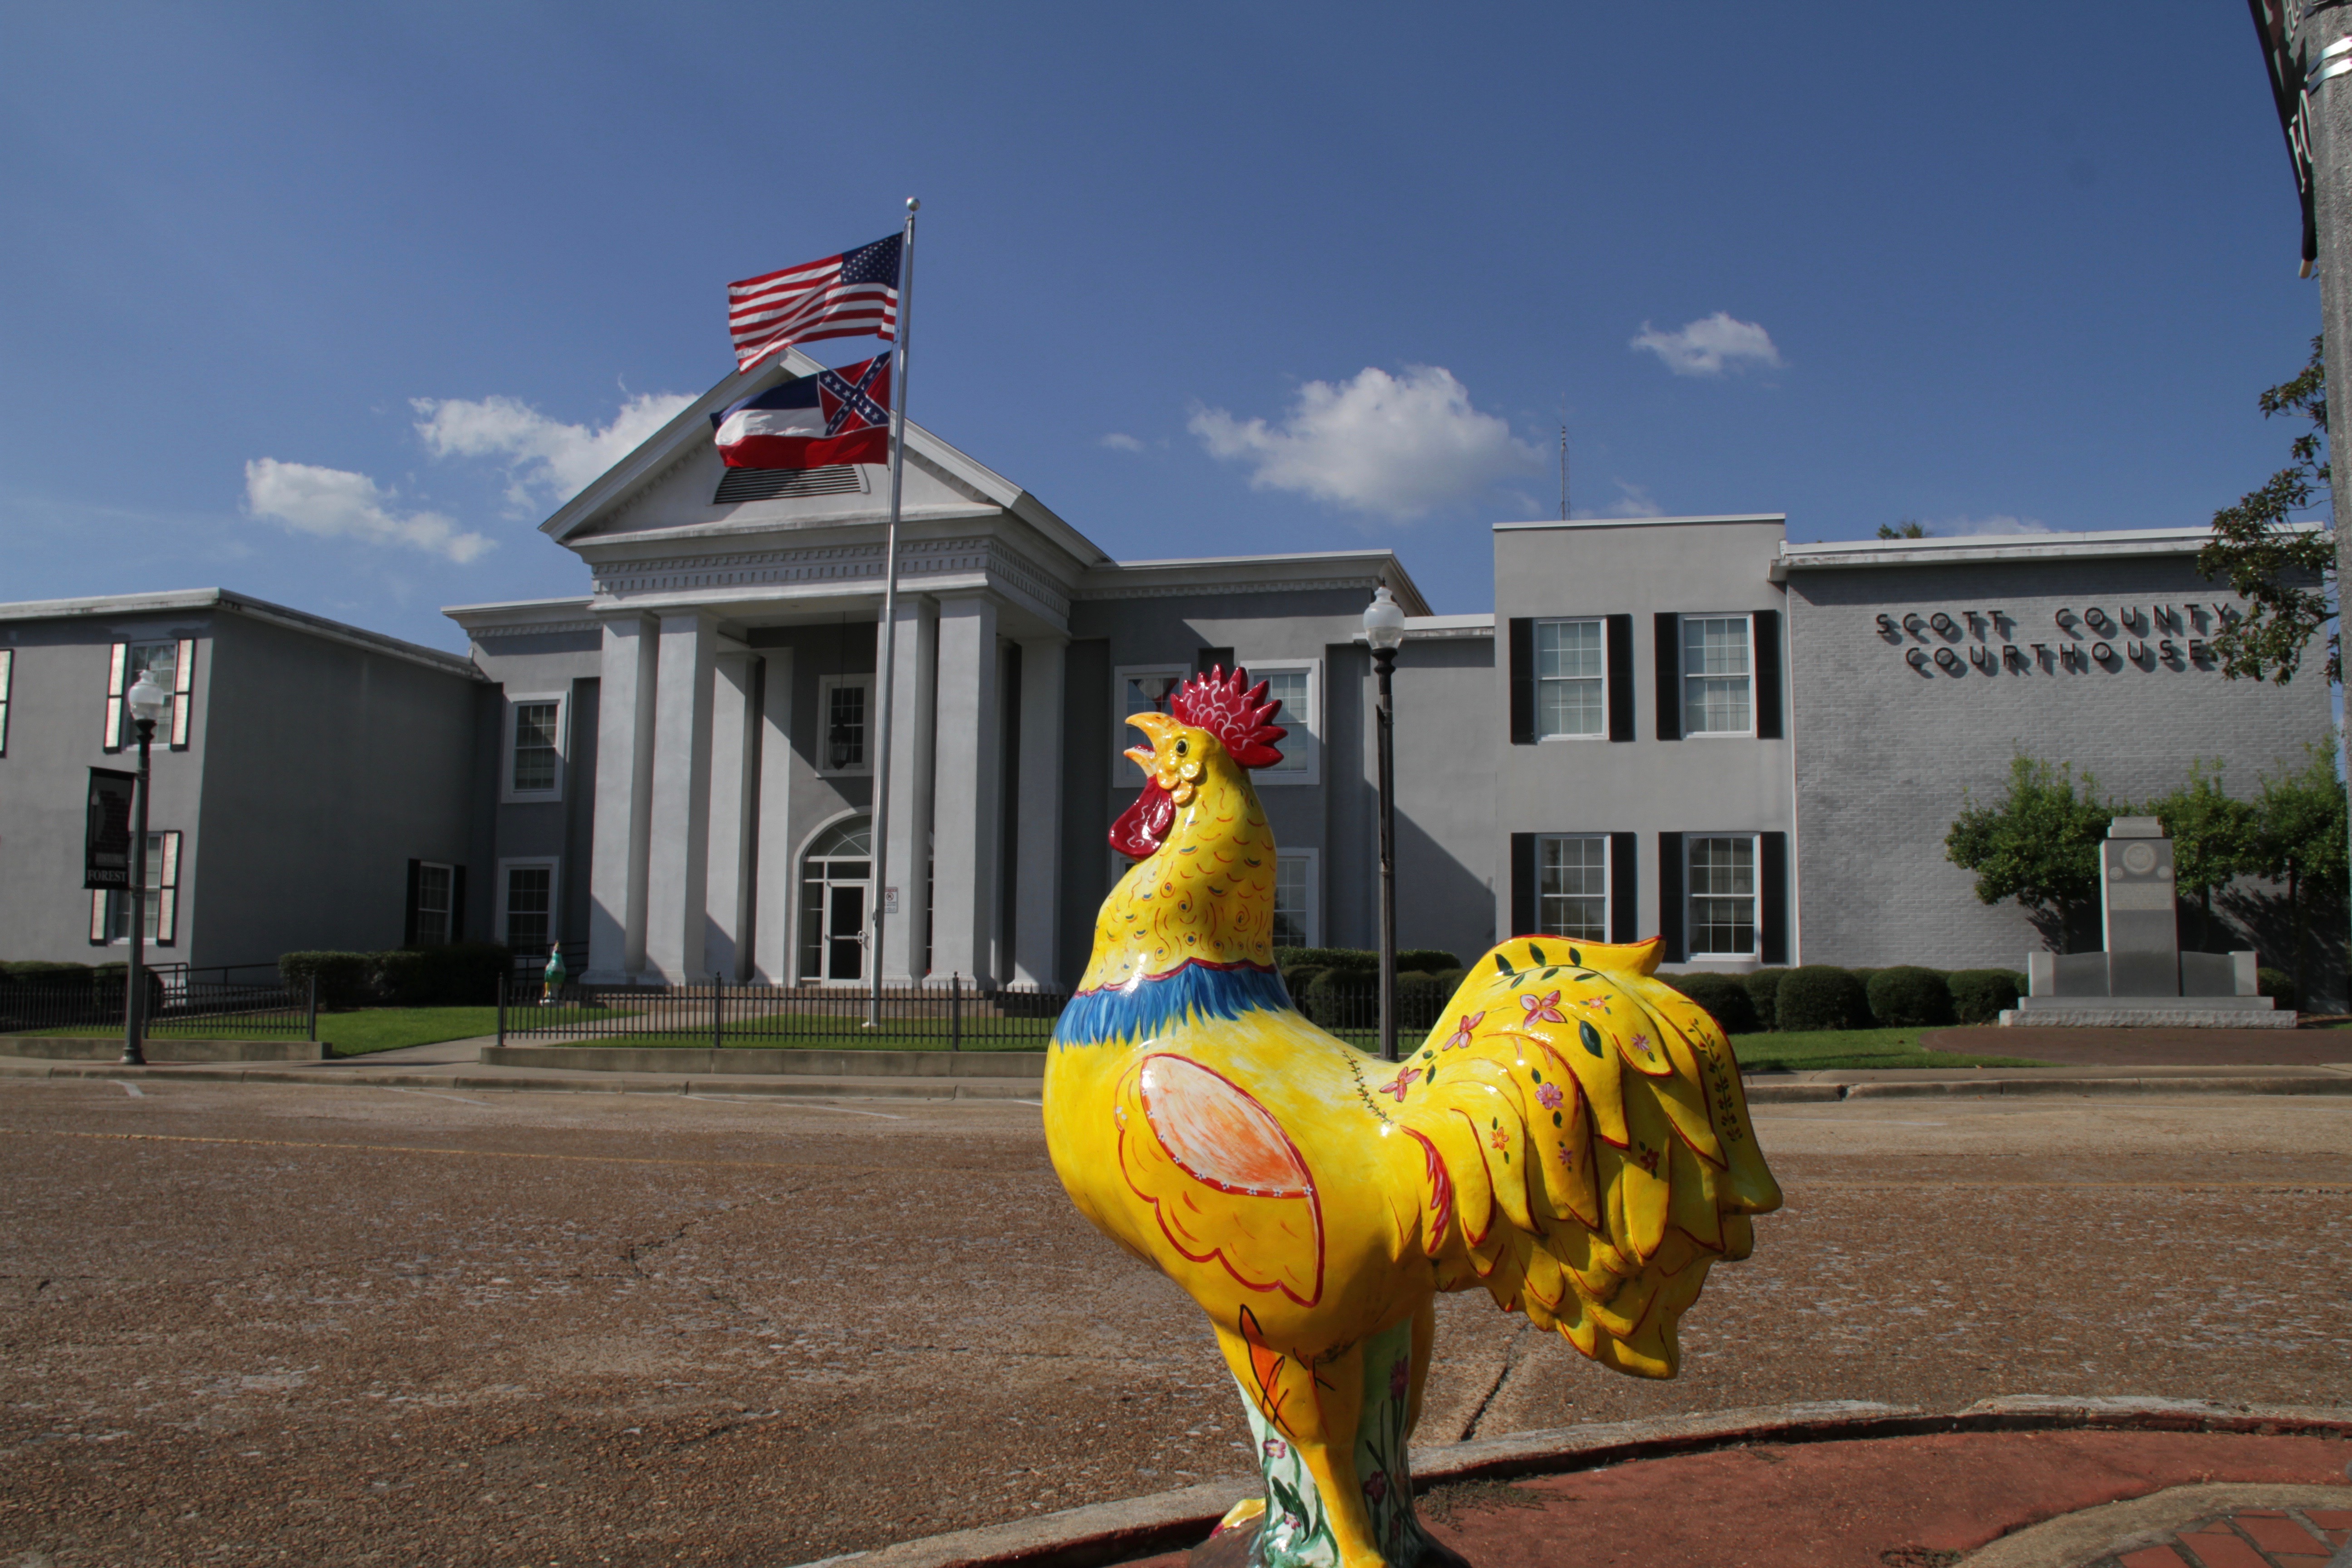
624 762
966 829
679 847
734 763
771 915
913 714
1037 888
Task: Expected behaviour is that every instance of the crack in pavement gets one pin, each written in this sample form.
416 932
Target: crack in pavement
1502 1376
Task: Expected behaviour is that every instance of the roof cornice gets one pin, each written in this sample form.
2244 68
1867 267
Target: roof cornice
1255 573
2105 544
221 600
655 453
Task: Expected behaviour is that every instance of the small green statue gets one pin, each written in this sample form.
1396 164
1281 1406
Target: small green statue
553 976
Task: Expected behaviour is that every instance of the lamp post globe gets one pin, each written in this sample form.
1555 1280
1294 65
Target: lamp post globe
147 701
1384 633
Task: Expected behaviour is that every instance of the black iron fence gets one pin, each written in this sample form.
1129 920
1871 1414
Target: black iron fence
944 1014
180 1002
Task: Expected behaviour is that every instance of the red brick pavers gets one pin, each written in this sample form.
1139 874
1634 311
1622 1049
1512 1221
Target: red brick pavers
1866 1504
2249 1538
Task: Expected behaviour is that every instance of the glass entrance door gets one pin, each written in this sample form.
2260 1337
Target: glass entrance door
845 930
835 882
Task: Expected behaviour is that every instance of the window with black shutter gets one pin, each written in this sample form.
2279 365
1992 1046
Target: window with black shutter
1772 933
1668 631
1523 680
1670 894
1624 887
1767 675
1620 677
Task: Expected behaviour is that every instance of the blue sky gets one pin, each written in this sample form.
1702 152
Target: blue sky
333 304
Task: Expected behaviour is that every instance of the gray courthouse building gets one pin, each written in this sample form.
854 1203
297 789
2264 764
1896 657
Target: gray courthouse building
1686 726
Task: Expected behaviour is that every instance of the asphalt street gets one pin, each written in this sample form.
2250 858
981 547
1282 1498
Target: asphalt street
326 1325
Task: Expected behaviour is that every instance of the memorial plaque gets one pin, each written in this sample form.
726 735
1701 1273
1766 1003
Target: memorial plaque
2141 917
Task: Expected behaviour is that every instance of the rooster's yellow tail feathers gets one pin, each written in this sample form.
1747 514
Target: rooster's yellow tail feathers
1586 1153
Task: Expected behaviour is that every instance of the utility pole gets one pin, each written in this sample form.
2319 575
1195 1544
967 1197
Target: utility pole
2326 49
2307 45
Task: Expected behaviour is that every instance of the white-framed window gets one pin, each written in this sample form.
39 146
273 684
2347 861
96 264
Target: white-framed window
1573 885
1297 898
174 664
527 907
8 677
1140 688
435 888
1718 675
844 724
1721 878
1300 684
534 748
110 911
1572 680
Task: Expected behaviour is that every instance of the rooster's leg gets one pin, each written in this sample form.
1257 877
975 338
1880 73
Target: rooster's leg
1331 1447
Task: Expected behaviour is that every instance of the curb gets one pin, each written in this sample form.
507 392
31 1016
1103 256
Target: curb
1112 1533
849 1086
794 1087
2095 1088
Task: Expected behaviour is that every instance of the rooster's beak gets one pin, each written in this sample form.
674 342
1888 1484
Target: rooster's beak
1157 728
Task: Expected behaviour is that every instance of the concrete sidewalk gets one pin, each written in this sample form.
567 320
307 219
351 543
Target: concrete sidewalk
457 1064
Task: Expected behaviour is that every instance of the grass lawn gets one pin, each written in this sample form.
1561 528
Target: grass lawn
352 1033
1823 1048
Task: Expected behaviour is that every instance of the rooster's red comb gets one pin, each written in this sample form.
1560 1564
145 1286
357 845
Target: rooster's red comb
1234 711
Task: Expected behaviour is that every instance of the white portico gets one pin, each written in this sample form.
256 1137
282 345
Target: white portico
734 615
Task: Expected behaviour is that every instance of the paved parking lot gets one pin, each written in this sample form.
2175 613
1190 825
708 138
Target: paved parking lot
248 1323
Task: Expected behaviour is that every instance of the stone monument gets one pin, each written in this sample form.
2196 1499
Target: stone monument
2141 977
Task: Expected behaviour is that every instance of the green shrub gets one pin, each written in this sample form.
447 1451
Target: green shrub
1818 996
1426 959
345 979
1764 995
1289 958
36 974
1909 997
461 974
1981 995
1722 997
2277 984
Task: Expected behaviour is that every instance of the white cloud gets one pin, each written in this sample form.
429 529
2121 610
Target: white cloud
1395 445
1632 500
1705 346
548 462
1118 441
1996 524
336 504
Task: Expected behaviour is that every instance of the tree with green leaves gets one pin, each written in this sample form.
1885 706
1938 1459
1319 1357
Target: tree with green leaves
2285 571
2215 837
2300 840
1909 528
2039 844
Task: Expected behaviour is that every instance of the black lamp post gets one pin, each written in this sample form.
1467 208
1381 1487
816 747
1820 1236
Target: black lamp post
148 702
1384 630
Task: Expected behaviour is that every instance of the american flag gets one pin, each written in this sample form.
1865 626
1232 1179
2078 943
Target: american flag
844 296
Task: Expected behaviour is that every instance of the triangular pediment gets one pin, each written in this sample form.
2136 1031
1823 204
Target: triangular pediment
673 481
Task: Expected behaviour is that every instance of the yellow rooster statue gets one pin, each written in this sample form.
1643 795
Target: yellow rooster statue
1572 1137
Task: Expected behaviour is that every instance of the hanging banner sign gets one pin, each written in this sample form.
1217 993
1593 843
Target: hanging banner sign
106 837
2277 21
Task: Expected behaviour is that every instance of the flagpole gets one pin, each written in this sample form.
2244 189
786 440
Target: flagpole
887 634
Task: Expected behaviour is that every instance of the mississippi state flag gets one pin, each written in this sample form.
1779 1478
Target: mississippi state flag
833 417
